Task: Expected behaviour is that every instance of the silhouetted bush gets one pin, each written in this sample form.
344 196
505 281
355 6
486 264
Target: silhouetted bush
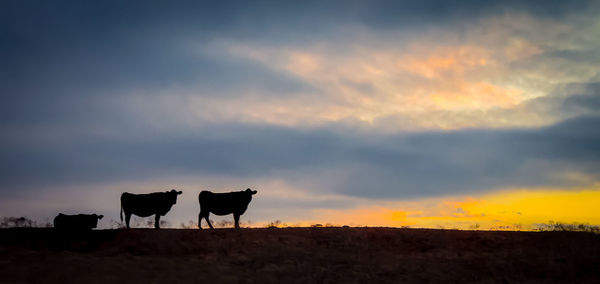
276 224
190 225
21 222
15 222
564 227
143 222
474 227
115 224
223 224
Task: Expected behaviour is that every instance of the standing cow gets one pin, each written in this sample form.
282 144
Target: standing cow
144 205
79 222
224 204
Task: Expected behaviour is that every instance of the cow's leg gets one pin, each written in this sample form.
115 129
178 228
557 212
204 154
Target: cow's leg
204 214
208 221
236 219
127 218
157 221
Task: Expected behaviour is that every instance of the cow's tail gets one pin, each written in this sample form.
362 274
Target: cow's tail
121 213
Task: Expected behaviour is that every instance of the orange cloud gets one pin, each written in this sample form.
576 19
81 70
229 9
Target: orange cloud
440 62
479 76
477 95
366 84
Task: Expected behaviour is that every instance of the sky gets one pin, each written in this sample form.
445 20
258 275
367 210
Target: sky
471 114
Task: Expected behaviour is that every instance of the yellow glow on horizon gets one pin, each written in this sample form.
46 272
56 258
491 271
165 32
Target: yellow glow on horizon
511 209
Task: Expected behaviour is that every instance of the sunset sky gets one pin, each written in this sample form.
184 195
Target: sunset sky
479 114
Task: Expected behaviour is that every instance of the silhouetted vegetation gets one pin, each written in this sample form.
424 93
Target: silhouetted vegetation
16 222
224 224
21 222
146 222
564 227
513 227
474 227
276 224
190 225
218 224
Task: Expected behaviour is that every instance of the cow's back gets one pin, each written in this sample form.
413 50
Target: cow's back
223 203
145 205
75 222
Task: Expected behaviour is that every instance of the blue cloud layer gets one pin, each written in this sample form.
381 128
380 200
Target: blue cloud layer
421 164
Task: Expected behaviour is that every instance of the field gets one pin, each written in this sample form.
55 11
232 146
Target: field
298 255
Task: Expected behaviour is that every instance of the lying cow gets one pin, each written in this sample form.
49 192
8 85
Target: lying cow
80 222
144 205
221 204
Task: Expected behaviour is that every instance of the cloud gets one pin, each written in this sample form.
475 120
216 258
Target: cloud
374 166
299 66
445 78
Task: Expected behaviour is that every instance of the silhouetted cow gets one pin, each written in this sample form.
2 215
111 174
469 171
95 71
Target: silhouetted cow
80 222
224 204
144 205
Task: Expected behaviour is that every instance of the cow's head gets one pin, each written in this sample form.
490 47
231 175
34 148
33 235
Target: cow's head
250 191
173 194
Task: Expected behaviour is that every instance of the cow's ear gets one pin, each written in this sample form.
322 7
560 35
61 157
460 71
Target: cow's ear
179 192
100 217
254 192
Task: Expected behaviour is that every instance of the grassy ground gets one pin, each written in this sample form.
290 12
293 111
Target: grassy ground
298 255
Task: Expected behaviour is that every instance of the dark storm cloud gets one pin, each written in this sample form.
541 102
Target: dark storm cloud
465 161
395 14
38 29
589 99
378 167
59 89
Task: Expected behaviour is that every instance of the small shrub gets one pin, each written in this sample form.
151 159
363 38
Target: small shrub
114 224
190 225
17 222
564 227
474 227
143 222
224 224
276 224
